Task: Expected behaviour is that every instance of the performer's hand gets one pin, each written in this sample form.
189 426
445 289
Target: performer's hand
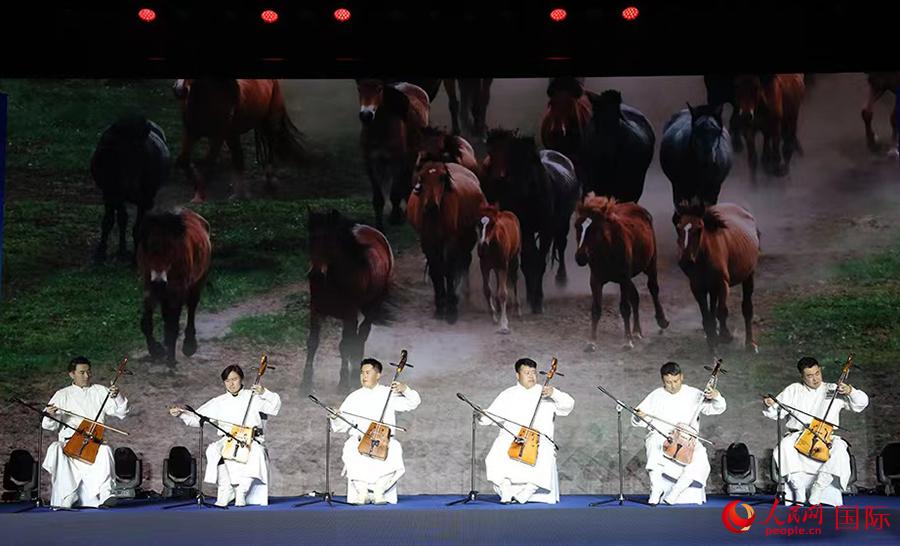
547 391
114 391
768 402
711 394
175 411
640 413
844 388
51 409
258 389
398 387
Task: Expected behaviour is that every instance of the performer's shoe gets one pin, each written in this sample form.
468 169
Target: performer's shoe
815 494
240 498
378 496
224 495
110 502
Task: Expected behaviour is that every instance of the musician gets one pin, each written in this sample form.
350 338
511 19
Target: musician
76 482
808 479
371 480
244 483
515 480
675 402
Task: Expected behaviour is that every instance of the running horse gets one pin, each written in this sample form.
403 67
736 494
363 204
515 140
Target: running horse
444 208
718 248
499 244
449 148
222 110
618 243
879 83
541 189
474 98
173 255
770 105
432 87
393 117
129 164
351 265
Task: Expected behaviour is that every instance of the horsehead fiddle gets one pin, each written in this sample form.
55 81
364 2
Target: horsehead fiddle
377 437
85 443
680 444
237 447
524 448
815 440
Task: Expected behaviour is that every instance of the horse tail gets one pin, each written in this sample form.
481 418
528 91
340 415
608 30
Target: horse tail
288 142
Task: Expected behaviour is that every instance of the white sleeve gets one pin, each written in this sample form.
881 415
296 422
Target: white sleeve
564 402
48 423
406 401
493 410
646 406
772 411
269 402
117 407
715 406
856 401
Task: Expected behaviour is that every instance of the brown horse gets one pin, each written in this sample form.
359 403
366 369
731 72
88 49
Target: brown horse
566 118
350 275
222 110
433 86
393 117
879 82
450 148
445 208
718 248
617 241
770 105
474 98
499 244
173 255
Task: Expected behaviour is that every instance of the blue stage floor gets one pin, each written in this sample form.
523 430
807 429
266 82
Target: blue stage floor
424 519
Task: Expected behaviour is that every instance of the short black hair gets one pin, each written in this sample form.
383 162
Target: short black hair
525 362
233 368
372 362
78 360
806 362
670 368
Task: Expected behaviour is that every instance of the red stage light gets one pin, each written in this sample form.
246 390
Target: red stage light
269 16
558 15
147 15
342 15
630 13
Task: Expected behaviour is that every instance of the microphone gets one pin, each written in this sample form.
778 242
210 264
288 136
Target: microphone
313 398
461 397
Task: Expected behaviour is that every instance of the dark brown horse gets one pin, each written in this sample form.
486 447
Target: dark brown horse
449 148
474 98
433 86
499 245
222 110
350 275
618 243
719 248
393 117
566 118
879 83
444 208
770 106
173 255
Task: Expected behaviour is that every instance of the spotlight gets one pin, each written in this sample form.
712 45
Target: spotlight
128 473
630 13
20 475
269 16
147 15
179 474
739 470
342 15
558 15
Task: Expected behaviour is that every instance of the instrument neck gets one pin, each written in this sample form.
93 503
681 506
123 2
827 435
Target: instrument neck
388 399
538 405
710 384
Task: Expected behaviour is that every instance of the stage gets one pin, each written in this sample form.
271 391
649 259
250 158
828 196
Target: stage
424 519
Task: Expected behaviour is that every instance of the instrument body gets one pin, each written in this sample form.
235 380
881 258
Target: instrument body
238 448
679 446
525 447
377 437
85 443
815 440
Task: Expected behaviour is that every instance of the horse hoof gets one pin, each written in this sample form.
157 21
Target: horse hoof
893 153
753 348
663 324
628 345
504 331
590 348
452 316
189 347
156 350
638 335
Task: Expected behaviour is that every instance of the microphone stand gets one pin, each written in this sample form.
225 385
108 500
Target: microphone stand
621 499
200 499
37 502
327 495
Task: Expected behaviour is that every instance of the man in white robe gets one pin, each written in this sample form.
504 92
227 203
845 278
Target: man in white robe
369 479
244 483
670 481
808 479
74 482
514 479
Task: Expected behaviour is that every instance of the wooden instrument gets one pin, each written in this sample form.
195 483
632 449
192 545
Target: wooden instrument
680 444
238 448
525 447
85 443
375 441
815 440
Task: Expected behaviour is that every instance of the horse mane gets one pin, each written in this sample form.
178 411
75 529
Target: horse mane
499 134
343 227
712 220
600 204
451 145
607 106
395 100
573 86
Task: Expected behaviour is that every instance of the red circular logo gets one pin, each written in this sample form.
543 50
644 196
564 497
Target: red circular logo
734 522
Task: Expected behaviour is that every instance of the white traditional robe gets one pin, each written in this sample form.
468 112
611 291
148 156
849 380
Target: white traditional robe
359 468
677 408
91 484
815 401
517 404
227 409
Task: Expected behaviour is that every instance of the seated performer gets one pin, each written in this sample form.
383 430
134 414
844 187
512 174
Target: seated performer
75 482
371 480
244 483
670 481
809 479
514 479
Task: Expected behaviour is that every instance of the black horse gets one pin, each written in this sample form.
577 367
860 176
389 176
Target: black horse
541 189
617 148
695 154
129 164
